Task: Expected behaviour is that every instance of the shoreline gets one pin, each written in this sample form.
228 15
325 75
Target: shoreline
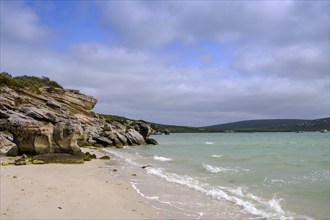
69 191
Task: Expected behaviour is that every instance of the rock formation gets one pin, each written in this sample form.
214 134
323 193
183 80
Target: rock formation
55 120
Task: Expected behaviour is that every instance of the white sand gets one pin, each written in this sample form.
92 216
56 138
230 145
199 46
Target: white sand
59 191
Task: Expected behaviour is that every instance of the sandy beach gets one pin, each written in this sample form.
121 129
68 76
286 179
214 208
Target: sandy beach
60 191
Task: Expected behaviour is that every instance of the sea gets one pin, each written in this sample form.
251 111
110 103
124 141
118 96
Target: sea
282 175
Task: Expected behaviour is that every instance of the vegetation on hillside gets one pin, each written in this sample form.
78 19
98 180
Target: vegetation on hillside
30 82
155 126
269 125
115 118
276 125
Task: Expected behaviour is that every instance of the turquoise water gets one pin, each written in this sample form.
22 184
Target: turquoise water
232 175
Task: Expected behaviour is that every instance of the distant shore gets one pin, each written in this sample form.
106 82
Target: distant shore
60 191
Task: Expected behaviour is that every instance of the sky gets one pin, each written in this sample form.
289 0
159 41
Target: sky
194 63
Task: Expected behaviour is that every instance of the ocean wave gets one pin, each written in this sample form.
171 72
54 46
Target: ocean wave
216 155
226 170
209 142
214 169
309 178
239 196
165 159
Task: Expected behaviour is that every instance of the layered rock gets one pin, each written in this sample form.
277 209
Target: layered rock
54 120
7 146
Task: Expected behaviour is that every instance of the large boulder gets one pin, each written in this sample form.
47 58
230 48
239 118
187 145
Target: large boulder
121 138
40 137
30 136
66 136
151 141
104 141
134 137
144 129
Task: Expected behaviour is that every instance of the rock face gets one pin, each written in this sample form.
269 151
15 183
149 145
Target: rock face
7 147
54 120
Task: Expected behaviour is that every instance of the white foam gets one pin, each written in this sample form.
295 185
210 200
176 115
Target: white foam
214 169
217 155
274 203
239 196
165 159
139 192
249 202
208 142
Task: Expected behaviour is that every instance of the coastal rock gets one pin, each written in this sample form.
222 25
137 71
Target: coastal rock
73 100
144 129
66 136
105 157
118 127
117 143
36 161
54 120
30 136
12 152
134 137
7 147
58 158
151 141
40 114
103 141
53 104
121 138
20 162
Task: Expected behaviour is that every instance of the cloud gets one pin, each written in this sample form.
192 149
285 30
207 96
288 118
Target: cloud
270 21
185 63
297 61
20 24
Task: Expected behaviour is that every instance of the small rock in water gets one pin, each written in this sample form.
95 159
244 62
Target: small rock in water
145 166
114 170
133 174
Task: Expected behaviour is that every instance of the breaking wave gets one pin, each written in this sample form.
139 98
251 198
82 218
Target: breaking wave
239 196
165 159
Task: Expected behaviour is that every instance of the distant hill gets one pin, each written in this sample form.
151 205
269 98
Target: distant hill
266 125
275 125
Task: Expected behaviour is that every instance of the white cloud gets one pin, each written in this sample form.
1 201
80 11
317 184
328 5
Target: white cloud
272 73
297 61
19 24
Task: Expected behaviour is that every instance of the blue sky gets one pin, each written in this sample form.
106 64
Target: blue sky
177 62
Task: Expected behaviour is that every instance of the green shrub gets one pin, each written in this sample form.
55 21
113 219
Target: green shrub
30 82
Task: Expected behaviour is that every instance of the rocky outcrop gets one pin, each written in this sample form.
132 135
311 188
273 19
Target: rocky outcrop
7 147
54 120
134 137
